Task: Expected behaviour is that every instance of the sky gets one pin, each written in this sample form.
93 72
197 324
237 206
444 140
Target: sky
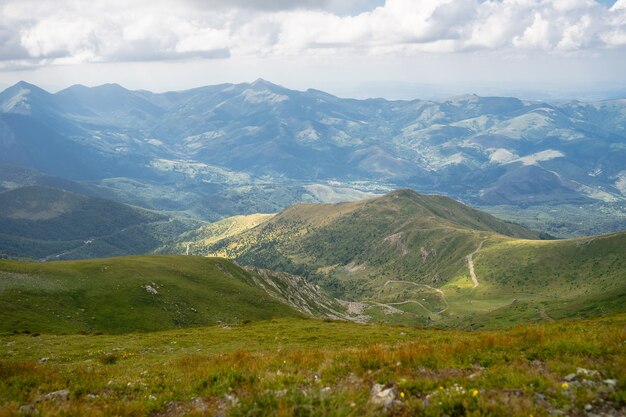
356 48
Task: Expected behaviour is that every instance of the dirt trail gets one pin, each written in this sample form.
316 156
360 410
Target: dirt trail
437 290
470 264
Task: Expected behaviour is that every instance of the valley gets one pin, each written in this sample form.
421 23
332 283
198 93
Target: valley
232 149
250 250
335 208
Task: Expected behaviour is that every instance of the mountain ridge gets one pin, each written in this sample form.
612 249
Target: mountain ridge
484 150
410 258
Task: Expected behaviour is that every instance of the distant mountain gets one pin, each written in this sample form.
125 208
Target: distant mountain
246 138
414 258
50 224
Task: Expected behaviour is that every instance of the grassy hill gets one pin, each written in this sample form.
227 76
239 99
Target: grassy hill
524 280
137 293
354 248
409 258
199 241
48 223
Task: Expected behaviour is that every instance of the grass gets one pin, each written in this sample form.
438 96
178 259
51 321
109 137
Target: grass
305 367
113 295
409 252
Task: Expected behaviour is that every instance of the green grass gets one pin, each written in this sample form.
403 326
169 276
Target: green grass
402 248
110 295
304 367
352 249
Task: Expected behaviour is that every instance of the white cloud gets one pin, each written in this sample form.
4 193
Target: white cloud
109 31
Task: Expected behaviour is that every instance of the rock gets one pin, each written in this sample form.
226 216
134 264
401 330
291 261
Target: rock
610 382
587 372
537 364
43 360
28 409
232 400
385 397
588 407
570 377
198 405
61 395
150 289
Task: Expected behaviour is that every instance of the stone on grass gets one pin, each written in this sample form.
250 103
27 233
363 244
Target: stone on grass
61 395
28 410
385 397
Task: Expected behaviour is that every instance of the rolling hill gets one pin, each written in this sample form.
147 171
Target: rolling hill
424 259
49 223
120 295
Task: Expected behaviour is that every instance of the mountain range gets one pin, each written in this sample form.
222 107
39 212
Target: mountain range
228 149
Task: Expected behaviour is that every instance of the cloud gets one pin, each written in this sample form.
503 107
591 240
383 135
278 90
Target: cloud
41 32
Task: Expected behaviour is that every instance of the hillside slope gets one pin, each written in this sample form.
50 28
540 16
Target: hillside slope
138 293
412 258
49 223
353 248
524 280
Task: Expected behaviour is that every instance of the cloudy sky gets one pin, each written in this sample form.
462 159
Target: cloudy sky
361 48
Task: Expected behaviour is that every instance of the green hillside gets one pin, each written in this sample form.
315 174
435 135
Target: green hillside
198 241
354 248
406 257
47 223
523 280
137 293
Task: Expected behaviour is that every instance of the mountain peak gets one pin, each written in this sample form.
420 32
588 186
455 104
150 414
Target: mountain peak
402 192
23 85
110 86
261 83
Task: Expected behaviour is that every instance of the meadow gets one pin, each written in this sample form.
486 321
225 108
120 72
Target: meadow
310 367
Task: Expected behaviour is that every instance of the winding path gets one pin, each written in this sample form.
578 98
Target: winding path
470 264
437 290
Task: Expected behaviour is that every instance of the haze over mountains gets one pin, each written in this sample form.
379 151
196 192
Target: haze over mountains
104 171
258 147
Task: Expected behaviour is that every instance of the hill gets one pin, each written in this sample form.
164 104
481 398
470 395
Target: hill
354 247
140 293
49 223
413 258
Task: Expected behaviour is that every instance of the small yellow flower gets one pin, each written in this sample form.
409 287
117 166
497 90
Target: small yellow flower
474 392
440 387
565 385
402 395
